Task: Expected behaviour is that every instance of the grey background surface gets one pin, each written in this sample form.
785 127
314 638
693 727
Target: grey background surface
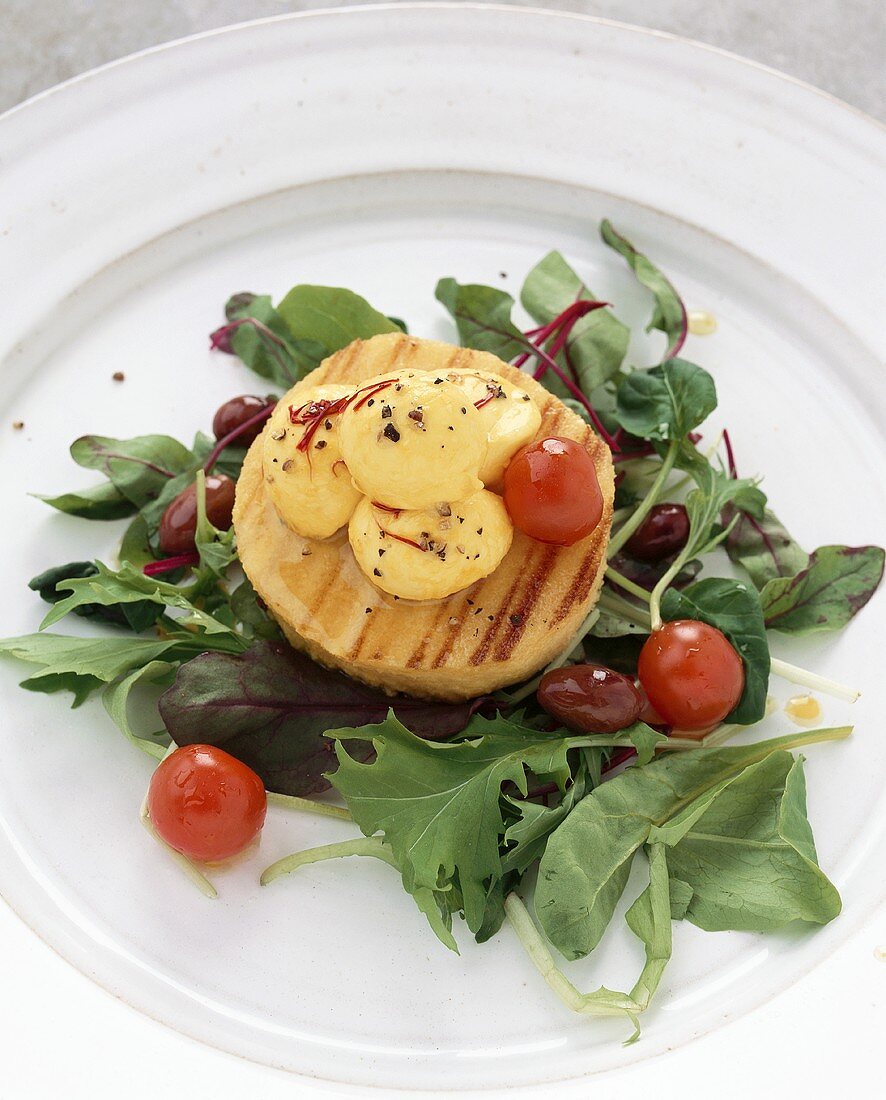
838 45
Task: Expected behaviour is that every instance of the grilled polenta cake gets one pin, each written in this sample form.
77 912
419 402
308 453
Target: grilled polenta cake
366 598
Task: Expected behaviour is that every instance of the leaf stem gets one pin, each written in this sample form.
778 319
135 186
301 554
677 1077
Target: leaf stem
614 577
617 605
630 525
601 1002
308 805
360 846
167 565
804 678
688 551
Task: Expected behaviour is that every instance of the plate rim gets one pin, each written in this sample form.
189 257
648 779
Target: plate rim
446 5
508 11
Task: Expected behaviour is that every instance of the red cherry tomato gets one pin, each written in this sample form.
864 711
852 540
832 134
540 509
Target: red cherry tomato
648 713
552 493
205 803
691 674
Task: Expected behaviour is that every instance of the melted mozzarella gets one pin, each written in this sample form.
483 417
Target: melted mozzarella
311 489
415 442
427 554
508 414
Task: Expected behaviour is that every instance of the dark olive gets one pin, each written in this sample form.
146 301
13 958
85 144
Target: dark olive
179 523
237 411
664 532
590 698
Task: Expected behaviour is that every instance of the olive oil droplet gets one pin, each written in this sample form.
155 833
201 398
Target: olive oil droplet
702 323
805 710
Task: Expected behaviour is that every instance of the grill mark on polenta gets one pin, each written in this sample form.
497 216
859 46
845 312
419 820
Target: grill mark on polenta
454 634
529 597
582 580
516 593
416 658
325 587
339 366
407 346
355 649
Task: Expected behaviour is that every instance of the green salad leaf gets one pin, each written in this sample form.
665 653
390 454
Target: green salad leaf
139 468
102 501
665 402
715 489
81 665
748 857
116 698
50 585
586 863
135 546
139 473
438 805
482 315
825 594
144 475
527 834
649 918
763 546
258 335
129 585
669 315
597 343
284 343
332 317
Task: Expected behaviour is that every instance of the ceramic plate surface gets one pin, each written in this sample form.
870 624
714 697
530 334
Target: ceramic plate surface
380 150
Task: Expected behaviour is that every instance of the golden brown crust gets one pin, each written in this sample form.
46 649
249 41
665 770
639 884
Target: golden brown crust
498 632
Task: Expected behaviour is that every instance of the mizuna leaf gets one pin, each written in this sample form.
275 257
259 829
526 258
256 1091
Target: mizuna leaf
439 805
130 586
715 489
82 664
81 687
136 616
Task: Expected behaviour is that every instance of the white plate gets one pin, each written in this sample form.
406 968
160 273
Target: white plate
381 149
